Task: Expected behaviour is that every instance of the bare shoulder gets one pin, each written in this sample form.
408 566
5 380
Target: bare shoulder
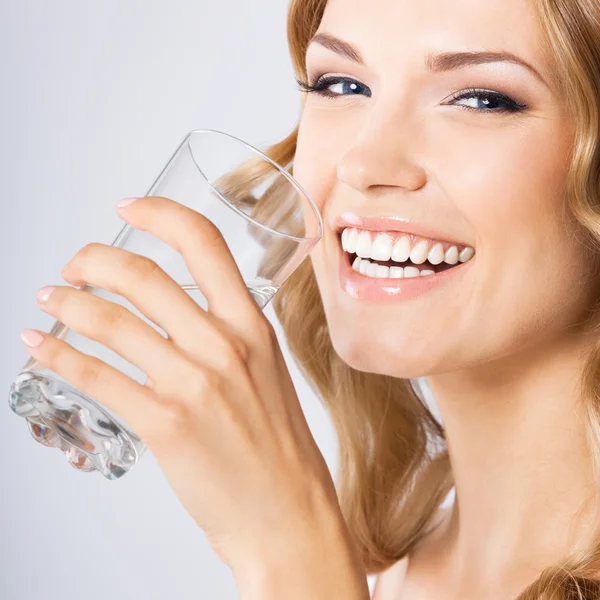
389 583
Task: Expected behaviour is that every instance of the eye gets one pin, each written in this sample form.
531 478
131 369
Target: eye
493 102
321 86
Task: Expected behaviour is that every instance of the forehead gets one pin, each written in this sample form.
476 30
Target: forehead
405 29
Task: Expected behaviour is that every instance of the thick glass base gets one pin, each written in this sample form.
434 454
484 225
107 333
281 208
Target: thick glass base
60 416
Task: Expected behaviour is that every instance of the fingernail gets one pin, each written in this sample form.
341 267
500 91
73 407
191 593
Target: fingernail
45 292
126 202
31 338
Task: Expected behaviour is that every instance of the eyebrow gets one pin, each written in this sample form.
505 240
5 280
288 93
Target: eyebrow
434 62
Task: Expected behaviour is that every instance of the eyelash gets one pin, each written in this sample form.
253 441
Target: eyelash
319 86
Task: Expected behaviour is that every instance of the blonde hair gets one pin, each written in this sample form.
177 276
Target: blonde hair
394 470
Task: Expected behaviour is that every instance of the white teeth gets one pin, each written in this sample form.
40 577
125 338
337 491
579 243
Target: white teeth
351 241
436 254
372 269
418 254
381 249
380 246
401 249
382 271
363 245
451 256
345 237
466 254
363 266
376 271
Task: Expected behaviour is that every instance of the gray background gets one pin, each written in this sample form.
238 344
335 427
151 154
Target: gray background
95 99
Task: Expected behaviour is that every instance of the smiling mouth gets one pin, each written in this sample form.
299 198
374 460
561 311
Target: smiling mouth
397 255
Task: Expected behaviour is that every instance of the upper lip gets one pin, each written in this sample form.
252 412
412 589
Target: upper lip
393 223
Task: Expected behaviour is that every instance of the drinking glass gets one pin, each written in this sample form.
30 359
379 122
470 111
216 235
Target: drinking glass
270 225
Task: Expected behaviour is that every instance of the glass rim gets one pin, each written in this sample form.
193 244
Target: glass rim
289 177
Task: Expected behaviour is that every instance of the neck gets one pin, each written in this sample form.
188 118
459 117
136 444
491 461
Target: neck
521 464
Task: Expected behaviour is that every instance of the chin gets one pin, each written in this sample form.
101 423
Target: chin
377 356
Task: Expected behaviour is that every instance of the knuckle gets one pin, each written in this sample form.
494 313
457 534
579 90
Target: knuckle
209 231
264 332
112 318
88 374
201 385
184 412
174 422
177 416
148 268
142 266
234 351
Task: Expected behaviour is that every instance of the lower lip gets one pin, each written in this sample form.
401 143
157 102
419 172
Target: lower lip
373 289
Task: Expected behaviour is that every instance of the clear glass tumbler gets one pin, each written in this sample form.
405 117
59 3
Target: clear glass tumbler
270 225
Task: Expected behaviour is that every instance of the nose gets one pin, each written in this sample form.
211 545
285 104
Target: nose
384 155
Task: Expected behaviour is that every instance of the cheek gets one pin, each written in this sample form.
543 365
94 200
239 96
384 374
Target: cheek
315 168
531 264
508 184
311 168
324 135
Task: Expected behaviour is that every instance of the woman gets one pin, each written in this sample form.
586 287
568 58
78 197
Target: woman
480 152
460 191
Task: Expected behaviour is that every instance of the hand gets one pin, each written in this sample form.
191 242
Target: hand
219 411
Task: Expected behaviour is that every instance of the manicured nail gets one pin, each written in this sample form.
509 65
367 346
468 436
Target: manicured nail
45 292
31 338
126 202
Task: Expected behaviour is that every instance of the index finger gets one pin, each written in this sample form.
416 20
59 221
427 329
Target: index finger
204 251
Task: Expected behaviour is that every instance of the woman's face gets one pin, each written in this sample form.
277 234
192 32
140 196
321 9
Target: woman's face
400 142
